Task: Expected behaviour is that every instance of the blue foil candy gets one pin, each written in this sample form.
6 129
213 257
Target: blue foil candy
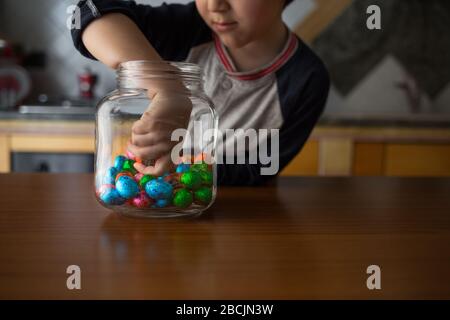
163 176
110 176
118 163
127 187
112 197
159 189
161 203
182 168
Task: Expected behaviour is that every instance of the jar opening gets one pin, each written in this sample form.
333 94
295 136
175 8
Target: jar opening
141 73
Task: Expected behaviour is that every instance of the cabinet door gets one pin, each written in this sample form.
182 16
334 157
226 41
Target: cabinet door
368 159
417 160
305 163
5 160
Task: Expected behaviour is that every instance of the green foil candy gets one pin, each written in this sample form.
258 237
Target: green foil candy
199 167
203 195
191 179
183 198
146 178
128 166
207 178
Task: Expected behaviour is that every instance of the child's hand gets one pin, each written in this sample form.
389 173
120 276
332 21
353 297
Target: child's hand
151 135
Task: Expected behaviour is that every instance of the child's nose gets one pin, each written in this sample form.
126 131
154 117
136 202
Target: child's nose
218 5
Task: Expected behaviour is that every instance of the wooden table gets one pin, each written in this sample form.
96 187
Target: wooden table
302 238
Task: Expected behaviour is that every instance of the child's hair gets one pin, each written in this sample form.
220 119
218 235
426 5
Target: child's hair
287 3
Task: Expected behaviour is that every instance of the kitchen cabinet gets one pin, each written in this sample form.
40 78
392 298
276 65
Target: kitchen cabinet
374 151
44 136
332 150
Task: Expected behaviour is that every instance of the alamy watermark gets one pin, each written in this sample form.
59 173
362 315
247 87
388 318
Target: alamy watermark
234 146
73 281
374 20
74 19
374 280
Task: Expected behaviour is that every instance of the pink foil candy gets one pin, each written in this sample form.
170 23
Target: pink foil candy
142 201
138 176
129 155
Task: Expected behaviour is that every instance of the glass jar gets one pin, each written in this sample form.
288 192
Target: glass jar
126 181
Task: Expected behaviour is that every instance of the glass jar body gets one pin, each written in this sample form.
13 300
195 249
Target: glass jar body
188 189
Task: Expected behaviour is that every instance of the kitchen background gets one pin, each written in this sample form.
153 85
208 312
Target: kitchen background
40 27
395 79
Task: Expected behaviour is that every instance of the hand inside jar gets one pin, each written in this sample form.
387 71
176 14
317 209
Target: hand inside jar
151 134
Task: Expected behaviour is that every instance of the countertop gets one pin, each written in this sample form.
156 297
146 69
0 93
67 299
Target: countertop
423 120
298 238
14 115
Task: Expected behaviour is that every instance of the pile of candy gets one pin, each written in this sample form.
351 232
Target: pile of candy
123 185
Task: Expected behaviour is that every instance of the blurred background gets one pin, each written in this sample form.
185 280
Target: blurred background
388 112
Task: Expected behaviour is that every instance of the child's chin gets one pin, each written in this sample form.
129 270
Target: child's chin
232 41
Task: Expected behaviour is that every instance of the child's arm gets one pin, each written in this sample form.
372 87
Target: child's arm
172 30
115 31
115 38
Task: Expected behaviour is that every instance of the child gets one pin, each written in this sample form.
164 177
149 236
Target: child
258 73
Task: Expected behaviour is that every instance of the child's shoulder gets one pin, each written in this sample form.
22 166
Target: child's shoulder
305 62
303 78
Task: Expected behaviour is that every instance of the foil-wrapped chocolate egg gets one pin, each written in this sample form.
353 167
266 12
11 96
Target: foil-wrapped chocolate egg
109 195
173 179
129 155
124 173
182 198
182 168
163 175
159 189
200 167
128 165
127 187
118 162
110 176
161 203
207 178
138 176
203 195
142 200
191 179
145 178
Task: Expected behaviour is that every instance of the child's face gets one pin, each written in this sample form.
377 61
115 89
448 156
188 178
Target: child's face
239 22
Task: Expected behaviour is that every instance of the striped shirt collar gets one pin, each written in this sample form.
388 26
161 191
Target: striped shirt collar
289 49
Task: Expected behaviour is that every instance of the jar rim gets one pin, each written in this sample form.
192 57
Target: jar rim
129 72
153 64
